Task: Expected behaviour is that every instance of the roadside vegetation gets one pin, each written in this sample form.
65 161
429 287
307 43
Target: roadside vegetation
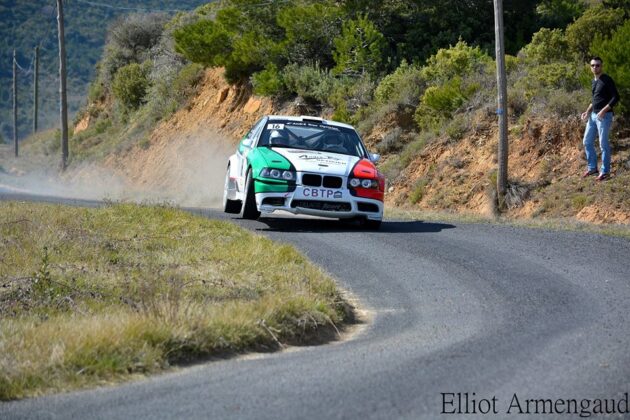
409 78
92 296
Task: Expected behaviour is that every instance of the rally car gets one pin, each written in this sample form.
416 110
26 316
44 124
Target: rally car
304 165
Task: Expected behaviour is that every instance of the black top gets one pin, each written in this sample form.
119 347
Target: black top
604 92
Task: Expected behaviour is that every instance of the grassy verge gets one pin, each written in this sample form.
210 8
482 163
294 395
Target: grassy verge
90 296
559 224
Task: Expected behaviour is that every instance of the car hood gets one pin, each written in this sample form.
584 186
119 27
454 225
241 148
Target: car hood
318 162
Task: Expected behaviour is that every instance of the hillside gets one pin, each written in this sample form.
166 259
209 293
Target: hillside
171 100
27 24
545 162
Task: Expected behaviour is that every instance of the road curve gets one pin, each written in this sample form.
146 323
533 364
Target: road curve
497 311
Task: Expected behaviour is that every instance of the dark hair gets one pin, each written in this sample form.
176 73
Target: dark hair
596 58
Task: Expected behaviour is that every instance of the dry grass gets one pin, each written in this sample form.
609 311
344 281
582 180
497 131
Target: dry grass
88 296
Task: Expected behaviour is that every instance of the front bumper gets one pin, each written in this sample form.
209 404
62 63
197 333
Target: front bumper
323 202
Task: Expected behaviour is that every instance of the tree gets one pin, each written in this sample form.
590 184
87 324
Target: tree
559 13
596 21
309 33
360 49
614 53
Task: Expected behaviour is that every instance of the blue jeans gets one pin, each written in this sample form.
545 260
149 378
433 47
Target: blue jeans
600 128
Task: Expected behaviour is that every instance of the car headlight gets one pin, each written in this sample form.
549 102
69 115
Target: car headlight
363 183
277 174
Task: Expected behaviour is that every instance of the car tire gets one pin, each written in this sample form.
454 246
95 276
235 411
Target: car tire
248 209
230 206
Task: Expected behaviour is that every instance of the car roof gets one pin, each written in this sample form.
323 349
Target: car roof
306 118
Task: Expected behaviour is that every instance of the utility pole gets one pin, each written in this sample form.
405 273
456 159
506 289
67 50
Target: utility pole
15 104
35 90
63 103
502 151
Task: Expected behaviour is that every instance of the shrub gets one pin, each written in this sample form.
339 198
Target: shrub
130 40
543 77
596 21
311 82
547 45
267 82
511 63
459 60
96 91
391 141
412 149
445 98
418 191
186 80
130 85
439 102
565 104
404 85
351 96
457 127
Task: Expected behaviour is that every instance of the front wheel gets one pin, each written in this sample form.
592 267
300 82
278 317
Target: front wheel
229 206
248 209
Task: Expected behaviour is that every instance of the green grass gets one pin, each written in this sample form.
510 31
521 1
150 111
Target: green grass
91 296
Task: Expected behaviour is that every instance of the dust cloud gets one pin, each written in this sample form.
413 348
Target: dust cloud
184 170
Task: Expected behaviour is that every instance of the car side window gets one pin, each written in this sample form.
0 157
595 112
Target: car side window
255 133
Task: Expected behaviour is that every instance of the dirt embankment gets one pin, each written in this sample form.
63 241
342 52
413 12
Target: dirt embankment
185 160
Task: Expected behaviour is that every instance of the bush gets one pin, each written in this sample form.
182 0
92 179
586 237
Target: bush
187 80
351 96
547 45
565 104
312 83
459 60
541 78
439 102
418 191
457 127
267 82
130 85
404 85
130 41
391 141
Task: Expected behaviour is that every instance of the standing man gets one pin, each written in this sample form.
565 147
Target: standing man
599 117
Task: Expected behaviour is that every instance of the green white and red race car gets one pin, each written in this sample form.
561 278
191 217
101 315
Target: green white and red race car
304 165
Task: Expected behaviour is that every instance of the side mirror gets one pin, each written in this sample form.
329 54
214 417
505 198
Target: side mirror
247 142
375 157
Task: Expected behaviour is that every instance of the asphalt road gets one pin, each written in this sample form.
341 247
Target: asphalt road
509 314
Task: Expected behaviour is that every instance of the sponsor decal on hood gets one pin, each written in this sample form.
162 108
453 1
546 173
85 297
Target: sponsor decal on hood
318 162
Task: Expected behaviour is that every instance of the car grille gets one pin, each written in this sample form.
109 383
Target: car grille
322 205
273 201
313 180
367 207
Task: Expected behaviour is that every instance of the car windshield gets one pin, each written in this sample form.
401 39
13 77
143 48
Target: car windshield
312 136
